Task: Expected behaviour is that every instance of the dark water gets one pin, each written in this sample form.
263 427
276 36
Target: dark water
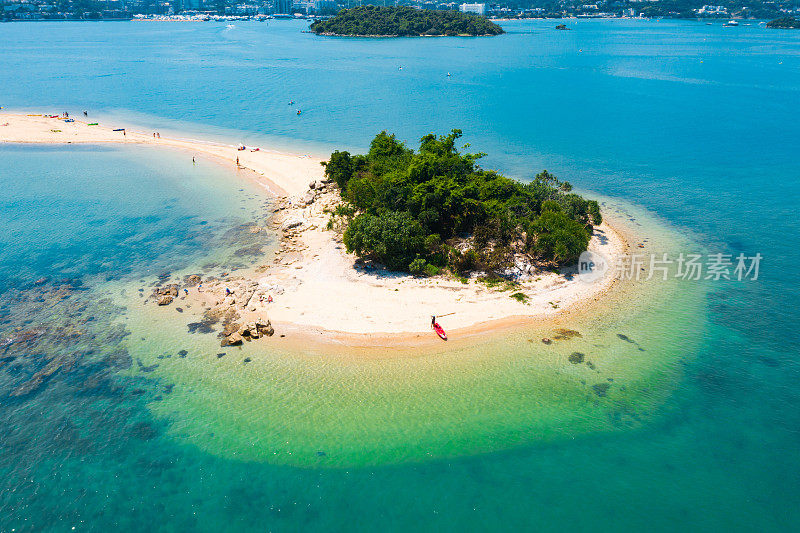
698 123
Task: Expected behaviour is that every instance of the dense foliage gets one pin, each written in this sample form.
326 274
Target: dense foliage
785 23
434 208
404 21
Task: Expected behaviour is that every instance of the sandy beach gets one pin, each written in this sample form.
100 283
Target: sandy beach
314 285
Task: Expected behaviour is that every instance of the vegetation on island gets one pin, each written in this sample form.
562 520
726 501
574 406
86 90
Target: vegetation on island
434 208
403 21
784 23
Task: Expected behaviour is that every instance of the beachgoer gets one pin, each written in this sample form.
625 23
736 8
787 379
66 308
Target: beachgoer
200 287
85 113
193 162
237 160
433 320
227 291
269 299
154 135
186 292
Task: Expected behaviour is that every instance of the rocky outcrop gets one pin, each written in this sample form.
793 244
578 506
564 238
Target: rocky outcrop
292 222
257 329
234 339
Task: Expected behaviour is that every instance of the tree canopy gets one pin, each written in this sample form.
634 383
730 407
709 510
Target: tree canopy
785 23
436 208
403 21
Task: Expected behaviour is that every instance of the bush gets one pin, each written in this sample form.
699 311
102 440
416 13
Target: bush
417 266
558 238
394 239
432 270
339 168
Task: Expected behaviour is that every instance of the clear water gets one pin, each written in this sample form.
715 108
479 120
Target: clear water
696 123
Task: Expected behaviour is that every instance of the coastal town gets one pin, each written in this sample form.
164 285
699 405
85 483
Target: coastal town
227 10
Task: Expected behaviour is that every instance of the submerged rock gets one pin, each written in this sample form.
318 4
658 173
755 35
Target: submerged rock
563 334
601 388
576 358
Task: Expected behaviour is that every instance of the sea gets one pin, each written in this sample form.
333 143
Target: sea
681 411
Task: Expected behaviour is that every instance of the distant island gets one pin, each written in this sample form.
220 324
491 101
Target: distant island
404 21
435 210
785 23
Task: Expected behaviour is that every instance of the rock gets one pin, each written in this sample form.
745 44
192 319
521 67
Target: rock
192 281
292 222
563 334
234 339
601 388
169 290
308 198
165 300
144 431
265 328
576 358
312 185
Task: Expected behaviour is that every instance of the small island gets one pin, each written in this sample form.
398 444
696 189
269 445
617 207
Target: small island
435 210
784 23
403 21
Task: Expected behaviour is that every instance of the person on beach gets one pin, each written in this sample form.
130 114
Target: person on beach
269 299
85 113
200 287
237 161
193 161
186 292
433 320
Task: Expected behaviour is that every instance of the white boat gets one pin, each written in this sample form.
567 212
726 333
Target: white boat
731 23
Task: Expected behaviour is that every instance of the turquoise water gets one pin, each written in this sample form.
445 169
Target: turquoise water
698 123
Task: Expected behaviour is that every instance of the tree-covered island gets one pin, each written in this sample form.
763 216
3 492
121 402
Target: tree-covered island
403 21
785 23
435 209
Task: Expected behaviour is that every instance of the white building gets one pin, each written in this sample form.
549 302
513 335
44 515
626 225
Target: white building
478 9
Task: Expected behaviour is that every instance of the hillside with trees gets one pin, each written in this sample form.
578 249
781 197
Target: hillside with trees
435 209
369 20
785 23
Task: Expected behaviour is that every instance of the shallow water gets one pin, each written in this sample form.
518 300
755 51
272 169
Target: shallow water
696 123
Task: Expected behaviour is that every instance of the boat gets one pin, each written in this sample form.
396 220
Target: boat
731 23
439 331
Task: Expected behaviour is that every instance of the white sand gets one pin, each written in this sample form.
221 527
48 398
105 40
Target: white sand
321 288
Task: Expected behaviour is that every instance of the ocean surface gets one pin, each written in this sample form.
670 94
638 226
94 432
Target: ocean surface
688 131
